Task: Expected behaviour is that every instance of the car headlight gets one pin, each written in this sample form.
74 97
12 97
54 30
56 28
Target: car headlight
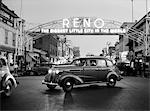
50 71
121 72
57 71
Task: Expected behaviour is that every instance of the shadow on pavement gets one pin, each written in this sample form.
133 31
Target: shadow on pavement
52 92
94 87
92 97
68 102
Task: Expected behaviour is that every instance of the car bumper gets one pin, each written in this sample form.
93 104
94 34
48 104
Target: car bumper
49 83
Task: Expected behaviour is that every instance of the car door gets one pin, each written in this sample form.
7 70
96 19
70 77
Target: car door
91 71
77 68
102 69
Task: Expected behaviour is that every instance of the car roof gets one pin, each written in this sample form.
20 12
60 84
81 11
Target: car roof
91 57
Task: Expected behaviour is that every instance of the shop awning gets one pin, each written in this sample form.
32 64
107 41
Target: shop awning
44 58
28 58
7 49
32 56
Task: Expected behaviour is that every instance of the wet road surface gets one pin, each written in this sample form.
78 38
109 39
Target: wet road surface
130 94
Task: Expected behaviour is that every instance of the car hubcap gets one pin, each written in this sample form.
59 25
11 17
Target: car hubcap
68 83
112 80
8 88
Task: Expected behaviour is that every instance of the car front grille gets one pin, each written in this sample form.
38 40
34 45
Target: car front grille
52 78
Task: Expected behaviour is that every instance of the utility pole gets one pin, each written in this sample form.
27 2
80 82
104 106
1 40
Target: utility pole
132 11
147 29
132 22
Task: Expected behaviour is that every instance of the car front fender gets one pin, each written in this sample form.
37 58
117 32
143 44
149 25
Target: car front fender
112 74
76 78
11 78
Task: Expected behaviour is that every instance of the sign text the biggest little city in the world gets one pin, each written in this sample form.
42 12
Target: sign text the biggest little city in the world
83 26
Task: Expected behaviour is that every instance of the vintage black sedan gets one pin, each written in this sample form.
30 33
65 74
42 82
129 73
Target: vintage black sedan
82 70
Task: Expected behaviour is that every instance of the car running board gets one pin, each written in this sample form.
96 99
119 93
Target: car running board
2 91
94 82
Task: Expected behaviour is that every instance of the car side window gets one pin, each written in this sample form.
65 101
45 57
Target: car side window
83 62
109 63
79 62
101 63
93 63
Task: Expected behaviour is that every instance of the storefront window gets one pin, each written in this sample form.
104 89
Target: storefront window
14 39
6 36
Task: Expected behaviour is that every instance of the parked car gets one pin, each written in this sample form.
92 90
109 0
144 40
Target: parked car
125 68
7 81
40 69
81 71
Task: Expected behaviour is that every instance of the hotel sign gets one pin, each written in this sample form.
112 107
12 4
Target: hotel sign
83 26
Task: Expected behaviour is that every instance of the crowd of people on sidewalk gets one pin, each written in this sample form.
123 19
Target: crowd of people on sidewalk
136 66
139 67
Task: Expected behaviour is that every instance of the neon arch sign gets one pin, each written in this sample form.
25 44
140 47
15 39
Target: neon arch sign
84 22
84 26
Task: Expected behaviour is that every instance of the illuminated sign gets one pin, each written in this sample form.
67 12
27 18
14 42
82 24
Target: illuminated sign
83 26
84 22
84 31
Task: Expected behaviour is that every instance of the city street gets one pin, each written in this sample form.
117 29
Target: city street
75 42
131 93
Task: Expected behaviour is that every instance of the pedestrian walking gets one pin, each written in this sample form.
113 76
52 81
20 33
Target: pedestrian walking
144 68
15 68
140 67
136 67
132 67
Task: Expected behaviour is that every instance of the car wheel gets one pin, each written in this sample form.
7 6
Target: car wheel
67 85
111 82
8 88
51 87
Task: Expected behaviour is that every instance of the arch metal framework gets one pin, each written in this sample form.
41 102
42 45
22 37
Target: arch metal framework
57 24
133 34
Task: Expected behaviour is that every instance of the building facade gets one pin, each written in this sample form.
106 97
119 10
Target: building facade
139 47
49 44
13 41
122 47
8 32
